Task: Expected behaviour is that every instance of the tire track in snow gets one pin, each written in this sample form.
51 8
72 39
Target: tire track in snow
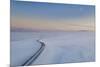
35 56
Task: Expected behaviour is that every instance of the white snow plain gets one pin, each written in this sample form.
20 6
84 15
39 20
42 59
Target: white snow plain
60 47
22 50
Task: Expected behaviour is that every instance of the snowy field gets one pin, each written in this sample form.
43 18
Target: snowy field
60 47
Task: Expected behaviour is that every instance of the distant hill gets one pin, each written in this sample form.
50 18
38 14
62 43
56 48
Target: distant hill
22 30
36 30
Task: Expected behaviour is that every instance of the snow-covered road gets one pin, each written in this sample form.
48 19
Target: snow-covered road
60 47
34 56
22 50
68 48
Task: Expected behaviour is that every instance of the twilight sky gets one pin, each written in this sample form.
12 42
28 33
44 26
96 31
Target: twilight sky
47 16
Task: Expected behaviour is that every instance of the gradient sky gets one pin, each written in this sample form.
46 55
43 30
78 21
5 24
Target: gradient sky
50 16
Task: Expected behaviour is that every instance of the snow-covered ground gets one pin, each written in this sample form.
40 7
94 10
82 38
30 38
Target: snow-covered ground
61 47
22 50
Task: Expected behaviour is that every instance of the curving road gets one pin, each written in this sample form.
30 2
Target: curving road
35 56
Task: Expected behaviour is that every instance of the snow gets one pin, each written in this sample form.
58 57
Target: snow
68 47
22 50
60 47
